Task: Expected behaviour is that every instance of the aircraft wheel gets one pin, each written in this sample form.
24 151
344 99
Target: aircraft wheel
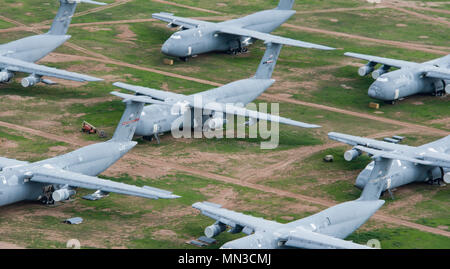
147 138
184 59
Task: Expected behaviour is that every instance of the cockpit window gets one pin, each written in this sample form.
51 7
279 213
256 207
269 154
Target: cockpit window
176 37
382 79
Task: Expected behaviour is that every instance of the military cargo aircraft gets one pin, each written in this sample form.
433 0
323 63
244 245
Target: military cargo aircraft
21 55
397 164
432 77
197 37
324 230
55 179
168 108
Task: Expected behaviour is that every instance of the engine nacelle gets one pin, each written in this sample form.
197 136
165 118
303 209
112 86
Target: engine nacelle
215 123
179 108
447 89
30 81
215 229
380 71
6 76
446 178
365 70
62 194
236 229
352 154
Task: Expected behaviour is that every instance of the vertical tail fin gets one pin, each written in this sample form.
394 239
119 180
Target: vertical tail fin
130 118
129 121
268 62
66 10
285 4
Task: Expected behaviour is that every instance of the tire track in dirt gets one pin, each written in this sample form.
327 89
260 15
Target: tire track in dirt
188 7
239 182
421 16
44 27
89 11
414 5
411 46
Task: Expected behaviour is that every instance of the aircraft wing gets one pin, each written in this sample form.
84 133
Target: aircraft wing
172 99
420 155
381 60
153 93
5 162
179 21
232 218
15 65
302 238
53 175
269 38
366 142
437 72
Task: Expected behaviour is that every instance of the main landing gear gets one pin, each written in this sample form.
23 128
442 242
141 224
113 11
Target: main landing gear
151 137
238 51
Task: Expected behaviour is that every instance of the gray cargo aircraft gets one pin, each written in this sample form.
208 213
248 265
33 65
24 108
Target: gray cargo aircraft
432 77
399 164
21 55
168 108
55 179
324 230
197 37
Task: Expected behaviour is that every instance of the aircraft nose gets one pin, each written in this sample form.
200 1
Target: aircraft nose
373 91
165 48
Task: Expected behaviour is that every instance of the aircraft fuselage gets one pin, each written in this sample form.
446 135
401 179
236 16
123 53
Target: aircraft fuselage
402 83
206 38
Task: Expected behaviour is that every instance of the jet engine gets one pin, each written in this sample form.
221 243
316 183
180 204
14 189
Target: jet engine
215 229
365 70
62 194
380 71
352 154
179 108
6 76
236 229
216 121
447 177
30 81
